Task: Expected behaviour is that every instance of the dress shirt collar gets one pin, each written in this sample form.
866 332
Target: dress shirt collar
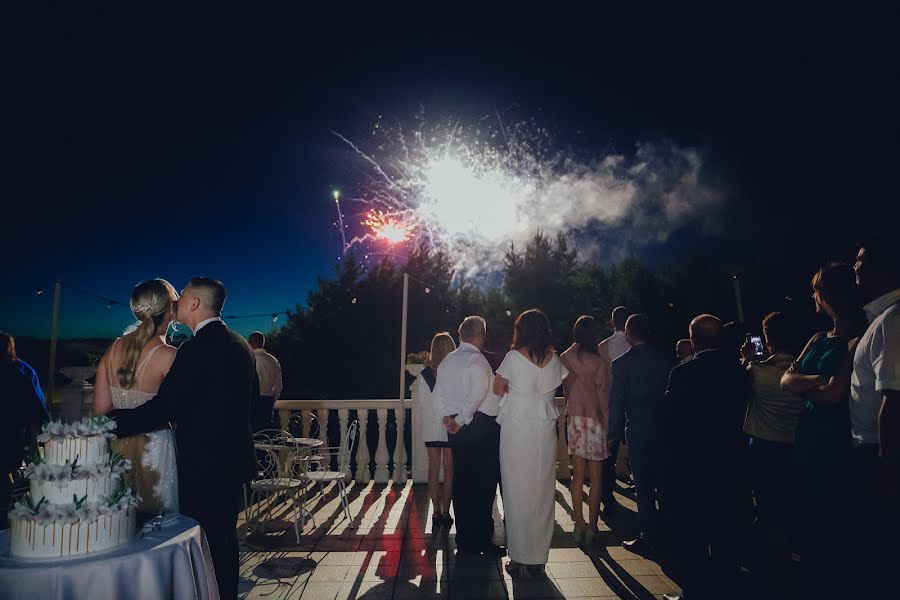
206 322
469 347
881 304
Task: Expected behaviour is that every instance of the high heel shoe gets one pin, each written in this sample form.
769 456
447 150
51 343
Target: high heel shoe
579 533
517 570
591 535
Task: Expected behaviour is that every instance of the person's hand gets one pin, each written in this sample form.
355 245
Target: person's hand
451 425
748 352
501 385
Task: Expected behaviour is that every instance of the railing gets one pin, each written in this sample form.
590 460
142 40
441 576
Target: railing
324 410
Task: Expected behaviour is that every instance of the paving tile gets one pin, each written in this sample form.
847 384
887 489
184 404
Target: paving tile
489 590
389 551
653 584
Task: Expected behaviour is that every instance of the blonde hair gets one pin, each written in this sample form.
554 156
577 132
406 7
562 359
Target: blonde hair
150 301
442 344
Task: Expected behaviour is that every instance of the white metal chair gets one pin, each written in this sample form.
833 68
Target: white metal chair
276 452
342 454
313 457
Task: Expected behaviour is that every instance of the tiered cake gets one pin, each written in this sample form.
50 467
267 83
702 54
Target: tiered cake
78 501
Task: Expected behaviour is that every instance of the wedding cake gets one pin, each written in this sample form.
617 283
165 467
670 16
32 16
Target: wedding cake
78 501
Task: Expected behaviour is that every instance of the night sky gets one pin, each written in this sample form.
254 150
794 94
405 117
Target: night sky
170 144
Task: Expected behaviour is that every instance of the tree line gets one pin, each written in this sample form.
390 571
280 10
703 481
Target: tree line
345 342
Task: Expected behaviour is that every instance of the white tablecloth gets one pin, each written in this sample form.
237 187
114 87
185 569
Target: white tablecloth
171 563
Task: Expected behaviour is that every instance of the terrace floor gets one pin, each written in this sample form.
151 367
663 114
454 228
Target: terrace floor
389 551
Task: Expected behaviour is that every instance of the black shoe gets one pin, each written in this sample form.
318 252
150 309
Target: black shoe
437 519
448 521
610 509
641 545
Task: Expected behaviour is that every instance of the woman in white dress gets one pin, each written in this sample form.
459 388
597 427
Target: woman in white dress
529 376
435 435
129 374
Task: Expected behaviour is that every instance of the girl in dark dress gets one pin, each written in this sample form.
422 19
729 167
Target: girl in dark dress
822 443
439 455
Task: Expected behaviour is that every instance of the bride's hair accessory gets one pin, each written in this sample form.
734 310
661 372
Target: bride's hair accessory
146 308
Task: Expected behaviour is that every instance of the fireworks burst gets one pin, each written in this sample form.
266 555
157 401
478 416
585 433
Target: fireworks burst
473 189
387 227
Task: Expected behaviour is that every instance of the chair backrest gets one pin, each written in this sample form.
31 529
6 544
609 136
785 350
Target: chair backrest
295 425
346 448
268 443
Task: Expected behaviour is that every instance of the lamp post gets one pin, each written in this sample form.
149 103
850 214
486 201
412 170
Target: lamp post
399 447
54 336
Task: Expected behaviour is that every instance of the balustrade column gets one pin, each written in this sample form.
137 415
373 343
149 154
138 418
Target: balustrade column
343 415
284 418
362 451
400 446
306 420
381 453
323 433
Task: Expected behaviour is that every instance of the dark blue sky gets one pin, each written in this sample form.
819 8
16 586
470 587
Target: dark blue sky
181 144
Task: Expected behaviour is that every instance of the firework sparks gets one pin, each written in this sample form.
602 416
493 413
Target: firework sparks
388 227
473 189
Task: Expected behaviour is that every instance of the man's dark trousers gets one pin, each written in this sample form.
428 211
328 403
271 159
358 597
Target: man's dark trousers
609 475
476 467
261 413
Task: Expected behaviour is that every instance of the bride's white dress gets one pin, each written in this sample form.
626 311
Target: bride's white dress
152 455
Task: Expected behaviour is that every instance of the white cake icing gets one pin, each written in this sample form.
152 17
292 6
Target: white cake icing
59 540
63 492
89 451
78 502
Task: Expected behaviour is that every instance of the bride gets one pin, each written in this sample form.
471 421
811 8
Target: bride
129 374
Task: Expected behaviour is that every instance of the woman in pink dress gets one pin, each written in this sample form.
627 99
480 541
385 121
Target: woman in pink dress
587 405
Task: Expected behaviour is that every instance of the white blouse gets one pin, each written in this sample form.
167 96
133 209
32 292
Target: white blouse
532 389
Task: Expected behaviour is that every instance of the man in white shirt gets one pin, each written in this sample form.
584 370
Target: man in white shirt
464 396
268 369
875 409
613 347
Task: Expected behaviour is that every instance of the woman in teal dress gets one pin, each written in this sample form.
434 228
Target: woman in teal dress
822 442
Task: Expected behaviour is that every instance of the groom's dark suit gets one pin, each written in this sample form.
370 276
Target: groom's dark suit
207 394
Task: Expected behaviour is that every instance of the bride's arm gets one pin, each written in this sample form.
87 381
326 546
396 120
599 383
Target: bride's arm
102 395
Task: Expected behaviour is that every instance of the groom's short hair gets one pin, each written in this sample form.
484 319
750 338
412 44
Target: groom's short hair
211 292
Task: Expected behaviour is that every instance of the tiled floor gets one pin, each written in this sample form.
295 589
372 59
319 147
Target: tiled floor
389 551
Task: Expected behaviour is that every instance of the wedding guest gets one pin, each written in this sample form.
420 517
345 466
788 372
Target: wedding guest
822 442
875 411
24 411
683 350
612 348
469 409
530 375
435 435
587 406
770 422
268 369
639 379
702 444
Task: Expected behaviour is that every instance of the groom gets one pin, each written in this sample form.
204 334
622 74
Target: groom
207 394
